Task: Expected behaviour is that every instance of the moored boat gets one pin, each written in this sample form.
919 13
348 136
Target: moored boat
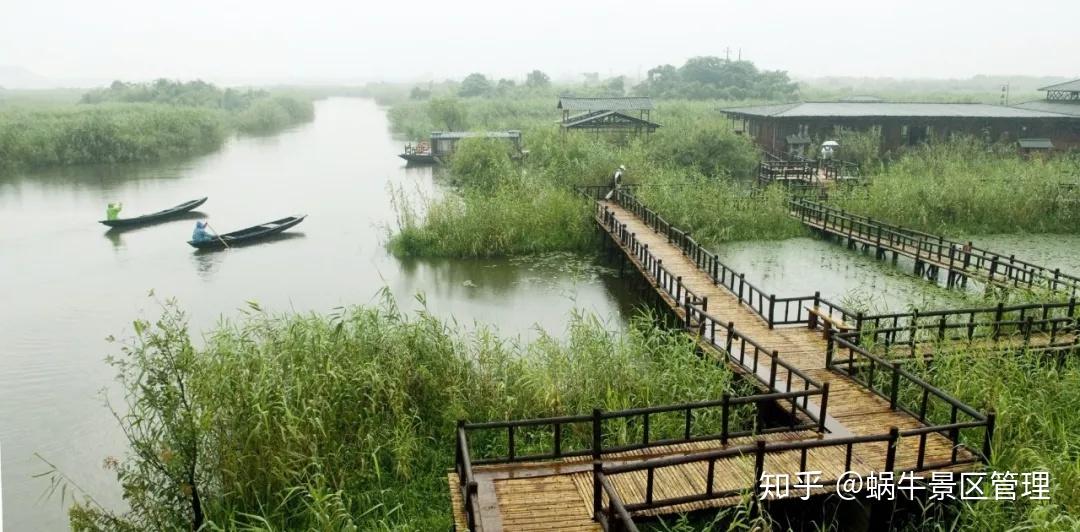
155 217
250 234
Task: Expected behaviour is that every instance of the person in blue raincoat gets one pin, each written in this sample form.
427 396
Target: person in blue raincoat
201 232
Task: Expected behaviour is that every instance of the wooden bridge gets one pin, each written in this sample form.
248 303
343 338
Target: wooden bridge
832 395
933 253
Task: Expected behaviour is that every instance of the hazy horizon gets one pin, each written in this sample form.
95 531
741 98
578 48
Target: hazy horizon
335 41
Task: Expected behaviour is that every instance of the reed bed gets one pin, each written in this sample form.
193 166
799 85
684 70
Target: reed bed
346 421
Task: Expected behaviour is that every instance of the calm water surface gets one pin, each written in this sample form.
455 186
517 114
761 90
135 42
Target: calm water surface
66 283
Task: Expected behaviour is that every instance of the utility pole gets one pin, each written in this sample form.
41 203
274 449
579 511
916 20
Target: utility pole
727 53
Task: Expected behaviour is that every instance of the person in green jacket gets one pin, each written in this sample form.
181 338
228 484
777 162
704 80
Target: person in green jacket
112 211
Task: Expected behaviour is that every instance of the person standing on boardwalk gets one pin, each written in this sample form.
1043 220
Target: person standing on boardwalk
616 181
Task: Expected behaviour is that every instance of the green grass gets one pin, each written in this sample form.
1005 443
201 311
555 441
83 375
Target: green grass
110 133
347 421
500 207
135 122
960 187
1037 430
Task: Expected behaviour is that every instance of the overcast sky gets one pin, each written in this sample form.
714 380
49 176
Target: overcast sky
318 40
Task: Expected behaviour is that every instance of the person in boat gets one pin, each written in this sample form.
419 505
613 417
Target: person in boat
202 232
112 210
616 181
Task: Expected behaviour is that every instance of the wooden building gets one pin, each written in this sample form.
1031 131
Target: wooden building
442 144
789 128
1063 98
625 114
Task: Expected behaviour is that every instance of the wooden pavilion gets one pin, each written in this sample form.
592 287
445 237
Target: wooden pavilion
622 114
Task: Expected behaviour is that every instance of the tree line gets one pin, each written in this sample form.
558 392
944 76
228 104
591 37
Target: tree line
700 78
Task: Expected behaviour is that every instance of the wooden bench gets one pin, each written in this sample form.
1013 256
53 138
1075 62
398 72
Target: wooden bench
827 321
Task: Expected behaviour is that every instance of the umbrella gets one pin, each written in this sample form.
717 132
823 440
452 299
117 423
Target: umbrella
831 143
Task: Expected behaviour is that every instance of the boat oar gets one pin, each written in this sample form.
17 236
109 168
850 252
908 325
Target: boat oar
208 226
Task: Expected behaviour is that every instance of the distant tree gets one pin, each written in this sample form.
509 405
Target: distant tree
715 77
537 80
447 113
591 78
475 84
616 86
418 93
504 86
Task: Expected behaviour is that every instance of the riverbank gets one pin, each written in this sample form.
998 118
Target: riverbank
131 123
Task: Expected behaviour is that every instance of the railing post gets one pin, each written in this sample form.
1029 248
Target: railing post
772 305
596 433
890 456
597 490
830 348
470 495
824 405
772 370
895 391
724 420
759 468
989 436
999 313
742 280
459 460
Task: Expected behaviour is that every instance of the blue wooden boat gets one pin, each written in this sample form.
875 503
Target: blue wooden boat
250 234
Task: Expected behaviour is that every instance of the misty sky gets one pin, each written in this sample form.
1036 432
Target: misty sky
319 40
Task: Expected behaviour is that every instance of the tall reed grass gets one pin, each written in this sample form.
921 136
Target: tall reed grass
959 187
346 421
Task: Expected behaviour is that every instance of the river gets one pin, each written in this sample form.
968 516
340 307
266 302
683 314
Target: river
68 283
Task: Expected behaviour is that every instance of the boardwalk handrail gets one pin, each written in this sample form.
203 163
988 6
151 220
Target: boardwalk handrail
700 256
617 517
466 480
997 313
860 365
759 450
762 304
598 417
695 317
912 336
961 257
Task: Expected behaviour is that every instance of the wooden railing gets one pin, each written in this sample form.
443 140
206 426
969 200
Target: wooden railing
740 349
943 327
774 310
466 481
886 378
618 511
642 418
963 258
837 169
805 171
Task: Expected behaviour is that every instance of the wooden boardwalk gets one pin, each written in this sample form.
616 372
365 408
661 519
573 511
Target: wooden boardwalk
789 354
933 253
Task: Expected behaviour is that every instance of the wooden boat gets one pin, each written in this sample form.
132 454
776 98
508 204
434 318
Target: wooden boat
415 158
244 236
156 216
